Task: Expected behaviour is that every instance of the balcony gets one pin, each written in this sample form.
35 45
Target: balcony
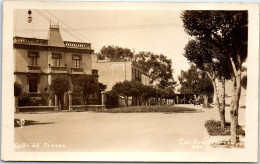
76 71
33 69
58 69
77 45
31 41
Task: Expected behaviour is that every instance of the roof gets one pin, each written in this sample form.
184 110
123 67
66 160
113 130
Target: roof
54 37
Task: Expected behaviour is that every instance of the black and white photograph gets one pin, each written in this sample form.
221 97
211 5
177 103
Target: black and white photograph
130 81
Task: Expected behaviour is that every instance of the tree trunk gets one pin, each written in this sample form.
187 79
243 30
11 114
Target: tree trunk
62 102
86 102
223 104
221 109
58 101
126 101
234 108
206 101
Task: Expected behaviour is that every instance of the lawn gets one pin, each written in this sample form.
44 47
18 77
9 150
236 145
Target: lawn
144 109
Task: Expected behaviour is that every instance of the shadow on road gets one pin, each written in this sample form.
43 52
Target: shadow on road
17 123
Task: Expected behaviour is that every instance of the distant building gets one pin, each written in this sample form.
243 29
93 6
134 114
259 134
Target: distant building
111 72
38 61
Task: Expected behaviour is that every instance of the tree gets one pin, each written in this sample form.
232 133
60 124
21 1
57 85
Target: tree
115 53
205 88
159 67
227 30
124 89
86 85
208 58
147 93
100 56
195 82
188 80
59 85
170 93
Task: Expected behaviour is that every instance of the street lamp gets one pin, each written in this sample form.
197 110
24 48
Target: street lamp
29 17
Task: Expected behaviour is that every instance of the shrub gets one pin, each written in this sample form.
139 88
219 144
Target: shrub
111 100
145 109
26 100
18 89
214 128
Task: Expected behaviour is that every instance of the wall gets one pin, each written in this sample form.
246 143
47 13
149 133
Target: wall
145 79
87 63
21 57
23 79
112 72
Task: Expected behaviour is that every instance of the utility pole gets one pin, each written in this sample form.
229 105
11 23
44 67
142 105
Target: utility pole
125 68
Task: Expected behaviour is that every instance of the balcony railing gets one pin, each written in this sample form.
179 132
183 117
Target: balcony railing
76 70
33 41
34 69
58 69
77 45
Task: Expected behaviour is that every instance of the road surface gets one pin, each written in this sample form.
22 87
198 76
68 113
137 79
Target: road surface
115 132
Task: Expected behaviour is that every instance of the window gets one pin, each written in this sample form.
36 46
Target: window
76 60
56 59
56 62
33 85
33 56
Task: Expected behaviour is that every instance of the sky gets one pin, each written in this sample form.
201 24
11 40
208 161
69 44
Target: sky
159 32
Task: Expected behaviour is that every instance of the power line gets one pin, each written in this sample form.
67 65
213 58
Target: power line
48 19
72 28
44 16
16 21
71 34
120 27
141 27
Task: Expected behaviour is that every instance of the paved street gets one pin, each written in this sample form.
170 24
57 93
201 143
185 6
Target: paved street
117 132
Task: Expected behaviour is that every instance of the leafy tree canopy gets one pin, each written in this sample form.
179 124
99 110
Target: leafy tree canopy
194 81
208 57
59 85
86 84
159 67
115 53
228 30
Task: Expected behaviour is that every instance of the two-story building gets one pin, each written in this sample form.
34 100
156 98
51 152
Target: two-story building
111 72
38 61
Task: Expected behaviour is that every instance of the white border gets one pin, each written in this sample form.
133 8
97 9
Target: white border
249 154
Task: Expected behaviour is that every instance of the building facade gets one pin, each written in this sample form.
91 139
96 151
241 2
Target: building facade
111 72
38 61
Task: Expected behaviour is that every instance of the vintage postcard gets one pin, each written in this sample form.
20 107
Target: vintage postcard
130 81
